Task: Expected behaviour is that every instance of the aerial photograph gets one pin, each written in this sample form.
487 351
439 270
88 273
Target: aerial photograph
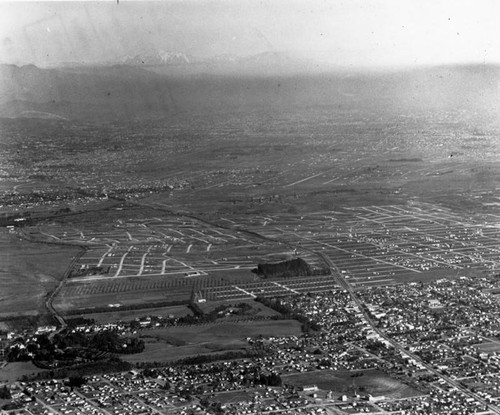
250 207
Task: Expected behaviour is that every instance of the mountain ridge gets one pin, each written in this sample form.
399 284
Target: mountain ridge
129 91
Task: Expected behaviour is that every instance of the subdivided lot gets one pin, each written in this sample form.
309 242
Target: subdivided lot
129 315
173 343
381 245
271 288
374 382
128 245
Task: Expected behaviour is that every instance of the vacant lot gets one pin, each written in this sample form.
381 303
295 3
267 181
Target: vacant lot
28 271
160 351
176 311
14 370
176 342
339 382
236 396
257 309
242 330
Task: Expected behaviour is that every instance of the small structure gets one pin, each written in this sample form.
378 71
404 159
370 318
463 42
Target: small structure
45 329
434 303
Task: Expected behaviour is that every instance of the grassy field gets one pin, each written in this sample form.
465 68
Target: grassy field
28 271
176 342
13 371
176 311
235 396
160 351
257 310
339 382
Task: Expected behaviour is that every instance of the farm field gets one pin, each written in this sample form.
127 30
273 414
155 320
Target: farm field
102 294
172 343
340 382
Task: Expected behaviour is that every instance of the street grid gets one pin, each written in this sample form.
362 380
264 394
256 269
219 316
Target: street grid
370 246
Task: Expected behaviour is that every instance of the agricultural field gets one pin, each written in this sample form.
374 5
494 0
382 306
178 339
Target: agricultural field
340 382
114 294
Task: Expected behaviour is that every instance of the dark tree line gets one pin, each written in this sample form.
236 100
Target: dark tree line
293 268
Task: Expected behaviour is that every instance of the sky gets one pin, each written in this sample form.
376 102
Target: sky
350 33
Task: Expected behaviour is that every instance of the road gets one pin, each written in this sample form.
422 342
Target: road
339 278
50 298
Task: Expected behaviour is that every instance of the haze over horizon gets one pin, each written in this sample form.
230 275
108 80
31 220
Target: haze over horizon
348 34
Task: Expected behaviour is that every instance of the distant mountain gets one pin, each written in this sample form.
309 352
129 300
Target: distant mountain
83 92
141 91
160 58
178 63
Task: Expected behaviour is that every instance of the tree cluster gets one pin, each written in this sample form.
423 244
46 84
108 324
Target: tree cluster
287 311
292 268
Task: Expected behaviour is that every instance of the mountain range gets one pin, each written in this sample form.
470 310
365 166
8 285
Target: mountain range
184 64
136 91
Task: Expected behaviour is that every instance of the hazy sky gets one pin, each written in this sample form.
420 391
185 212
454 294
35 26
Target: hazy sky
346 33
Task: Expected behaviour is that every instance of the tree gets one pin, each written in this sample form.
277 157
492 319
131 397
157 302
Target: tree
5 392
76 381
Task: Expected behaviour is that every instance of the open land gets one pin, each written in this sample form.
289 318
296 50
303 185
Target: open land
28 272
176 342
370 245
140 230
14 370
175 311
341 382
